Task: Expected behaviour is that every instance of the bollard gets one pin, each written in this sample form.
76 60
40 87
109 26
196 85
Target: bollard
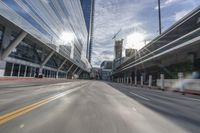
162 80
180 77
150 80
135 80
141 80
131 80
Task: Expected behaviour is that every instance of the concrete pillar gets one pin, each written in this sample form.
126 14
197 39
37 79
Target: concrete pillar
180 77
127 80
25 71
74 72
30 72
135 80
131 80
11 73
141 80
40 70
150 80
19 70
13 45
162 81
2 67
69 70
57 74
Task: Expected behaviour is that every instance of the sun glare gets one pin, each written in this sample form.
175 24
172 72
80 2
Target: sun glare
67 37
135 40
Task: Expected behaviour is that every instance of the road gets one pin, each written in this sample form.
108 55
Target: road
95 107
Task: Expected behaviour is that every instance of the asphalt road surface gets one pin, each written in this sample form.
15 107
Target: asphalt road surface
95 107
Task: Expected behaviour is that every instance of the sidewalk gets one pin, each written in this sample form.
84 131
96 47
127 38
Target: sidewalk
25 82
186 91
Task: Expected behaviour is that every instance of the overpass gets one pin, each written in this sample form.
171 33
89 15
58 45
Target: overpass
175 52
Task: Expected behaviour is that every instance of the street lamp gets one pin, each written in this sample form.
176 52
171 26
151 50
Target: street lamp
159 17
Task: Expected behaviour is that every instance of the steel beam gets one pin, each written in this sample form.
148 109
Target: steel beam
47 59
75 70
60 67
13 45
80 72
70 68
62 64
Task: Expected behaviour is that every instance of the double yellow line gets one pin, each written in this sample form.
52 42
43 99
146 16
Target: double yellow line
9 116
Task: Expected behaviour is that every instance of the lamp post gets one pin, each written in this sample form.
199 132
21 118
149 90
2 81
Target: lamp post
159 17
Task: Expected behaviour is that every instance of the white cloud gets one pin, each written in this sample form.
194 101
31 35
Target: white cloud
110 16
171 1
180 14
166 3
132 16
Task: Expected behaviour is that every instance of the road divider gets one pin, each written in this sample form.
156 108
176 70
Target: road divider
9 116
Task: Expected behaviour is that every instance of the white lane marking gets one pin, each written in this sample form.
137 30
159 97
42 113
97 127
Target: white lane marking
193 99
140 96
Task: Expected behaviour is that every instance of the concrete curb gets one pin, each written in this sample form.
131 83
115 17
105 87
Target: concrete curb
187 91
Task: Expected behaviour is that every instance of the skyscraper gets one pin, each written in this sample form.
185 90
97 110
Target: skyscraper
118 48
88 10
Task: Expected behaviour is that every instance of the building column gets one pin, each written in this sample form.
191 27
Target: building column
25 70
127 80
162 81
45 61
19 69
11 73
2 67
69 70
74 71
150 80
57 72
61 65
30 72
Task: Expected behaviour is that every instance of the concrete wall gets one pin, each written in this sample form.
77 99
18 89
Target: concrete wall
176 84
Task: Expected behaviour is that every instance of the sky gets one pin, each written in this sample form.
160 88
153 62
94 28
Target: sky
137 21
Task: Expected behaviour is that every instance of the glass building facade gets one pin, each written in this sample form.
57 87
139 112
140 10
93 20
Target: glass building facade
60 24
88 7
